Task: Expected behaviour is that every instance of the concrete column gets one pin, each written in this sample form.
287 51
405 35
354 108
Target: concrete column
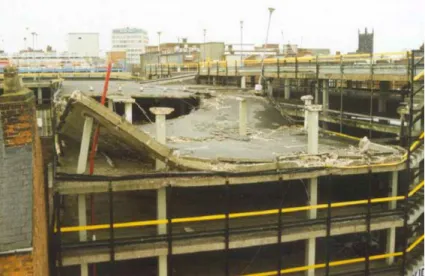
111 105
214 81
382 104
325 95
307 99
313 148
243 82
129 112
161 198
161 207
287 88
270 88
162 266
161 203
39 95
242 116
81 168
160 113
310 255
313 128
384 89
390 247
316 92
390 244
85 144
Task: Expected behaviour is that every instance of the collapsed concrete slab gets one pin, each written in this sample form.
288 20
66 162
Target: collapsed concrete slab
204 141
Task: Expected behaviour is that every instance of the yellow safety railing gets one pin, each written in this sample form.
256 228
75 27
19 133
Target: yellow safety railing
339 263
387 56
236 215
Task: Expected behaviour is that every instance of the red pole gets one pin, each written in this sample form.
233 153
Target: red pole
94 145
96 133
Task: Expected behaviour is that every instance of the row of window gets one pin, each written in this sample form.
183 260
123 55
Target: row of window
129 41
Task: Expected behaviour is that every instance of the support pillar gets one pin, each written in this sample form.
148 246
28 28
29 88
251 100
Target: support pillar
384 89
39 95
307 99
310 255
111 105
325 100
160 113
325 95
313 128
161 200
382 104
287 88
242 117
161 196
313 148
316 92
243 82
214 81
270 88
390 246
129 112
81 168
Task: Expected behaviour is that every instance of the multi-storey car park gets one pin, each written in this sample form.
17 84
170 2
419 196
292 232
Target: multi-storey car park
214 180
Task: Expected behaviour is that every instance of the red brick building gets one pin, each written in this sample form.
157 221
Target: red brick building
23 227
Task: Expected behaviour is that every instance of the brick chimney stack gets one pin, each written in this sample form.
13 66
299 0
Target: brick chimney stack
17 110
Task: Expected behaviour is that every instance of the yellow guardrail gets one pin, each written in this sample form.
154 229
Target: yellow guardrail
386 56
338 263
419 76
236 215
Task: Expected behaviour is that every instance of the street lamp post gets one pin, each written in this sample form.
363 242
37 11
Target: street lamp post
159 41
33 47
205 50
271 10
159 47
241 41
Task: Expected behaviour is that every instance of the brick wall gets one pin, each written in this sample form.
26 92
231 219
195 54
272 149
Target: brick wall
17 114
40 234
16 265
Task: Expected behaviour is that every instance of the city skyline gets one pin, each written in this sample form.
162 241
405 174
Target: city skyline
398 25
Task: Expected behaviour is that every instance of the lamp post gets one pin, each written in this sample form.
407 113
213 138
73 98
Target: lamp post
205 50
271 10
33 47
241 40
159 47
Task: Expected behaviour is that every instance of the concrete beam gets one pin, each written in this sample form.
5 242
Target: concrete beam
72 187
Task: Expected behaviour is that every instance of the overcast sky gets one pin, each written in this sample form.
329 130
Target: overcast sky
334 24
